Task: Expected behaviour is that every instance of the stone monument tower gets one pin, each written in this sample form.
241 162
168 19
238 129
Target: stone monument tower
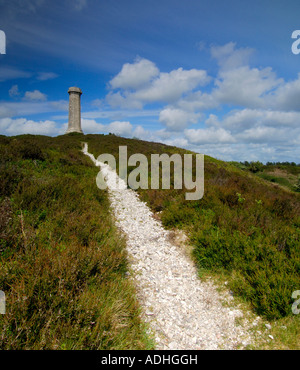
74 110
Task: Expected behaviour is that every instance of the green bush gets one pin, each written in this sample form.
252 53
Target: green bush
255 166
31 150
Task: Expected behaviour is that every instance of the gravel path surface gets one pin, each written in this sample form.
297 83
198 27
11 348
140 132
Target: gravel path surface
184 313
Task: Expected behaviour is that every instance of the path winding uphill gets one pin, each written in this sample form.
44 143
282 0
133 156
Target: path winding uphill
183 311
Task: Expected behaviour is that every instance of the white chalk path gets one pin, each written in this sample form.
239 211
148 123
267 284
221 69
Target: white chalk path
183 312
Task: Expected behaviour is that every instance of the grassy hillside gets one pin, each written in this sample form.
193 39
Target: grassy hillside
64 265
286 175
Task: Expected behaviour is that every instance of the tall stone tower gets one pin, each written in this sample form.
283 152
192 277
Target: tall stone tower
74 110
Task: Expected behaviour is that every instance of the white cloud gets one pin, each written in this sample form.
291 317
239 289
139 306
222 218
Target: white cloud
19 126
44 76
238 84
164 134
197 101
208 136
177 119
228 57
179 142
287 96
263 134
245 87
141 133
241 120
14 91
141 83
6 111
249 127
11 73
264 122
125 100
120 128
90 126
135 75
170 87
35 95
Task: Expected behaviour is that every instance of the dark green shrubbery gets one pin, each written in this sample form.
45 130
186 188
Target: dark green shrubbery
31 150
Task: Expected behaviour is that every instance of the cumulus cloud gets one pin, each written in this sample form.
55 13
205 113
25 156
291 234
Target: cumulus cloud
135 75
177 119
141 83
229 57
124 100
249 127
141 133
239 120
90 126
252 107
264 134
120 128
19 126
169 87
245 86
208 136
35 95
286 96
239 84
197 101
123 128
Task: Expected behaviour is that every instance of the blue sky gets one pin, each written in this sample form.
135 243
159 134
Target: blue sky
216 77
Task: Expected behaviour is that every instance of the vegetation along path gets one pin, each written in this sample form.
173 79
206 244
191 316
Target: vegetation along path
183 312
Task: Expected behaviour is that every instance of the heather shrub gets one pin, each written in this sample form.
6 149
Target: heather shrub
63 262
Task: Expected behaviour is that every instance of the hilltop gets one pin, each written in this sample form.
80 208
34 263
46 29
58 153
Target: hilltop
64 262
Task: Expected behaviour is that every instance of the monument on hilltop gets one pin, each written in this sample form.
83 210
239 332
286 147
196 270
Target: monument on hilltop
74 110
